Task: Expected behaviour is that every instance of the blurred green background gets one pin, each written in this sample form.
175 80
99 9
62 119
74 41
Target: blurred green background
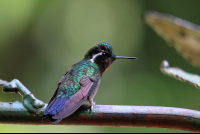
41 39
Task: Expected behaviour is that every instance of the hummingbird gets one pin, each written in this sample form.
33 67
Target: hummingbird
80 83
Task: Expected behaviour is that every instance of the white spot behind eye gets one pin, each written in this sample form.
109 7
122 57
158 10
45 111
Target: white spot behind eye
94 56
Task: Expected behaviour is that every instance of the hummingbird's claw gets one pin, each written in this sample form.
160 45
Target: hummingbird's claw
92 106
89 110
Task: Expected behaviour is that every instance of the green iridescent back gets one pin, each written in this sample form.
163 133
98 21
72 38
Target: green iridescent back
70 84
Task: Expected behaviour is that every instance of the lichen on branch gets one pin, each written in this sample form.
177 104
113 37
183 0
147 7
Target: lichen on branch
29 101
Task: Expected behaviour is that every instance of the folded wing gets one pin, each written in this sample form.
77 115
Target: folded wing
59 108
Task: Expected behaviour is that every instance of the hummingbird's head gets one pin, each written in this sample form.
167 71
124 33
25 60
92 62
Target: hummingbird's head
102 55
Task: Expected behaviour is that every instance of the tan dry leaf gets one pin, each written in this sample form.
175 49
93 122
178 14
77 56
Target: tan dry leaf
183 35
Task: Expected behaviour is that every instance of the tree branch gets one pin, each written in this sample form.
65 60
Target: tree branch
109 115
28 99
105 115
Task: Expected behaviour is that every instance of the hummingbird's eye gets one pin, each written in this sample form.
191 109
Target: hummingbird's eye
105 55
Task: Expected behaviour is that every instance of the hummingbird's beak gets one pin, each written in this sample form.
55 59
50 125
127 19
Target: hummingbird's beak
122 57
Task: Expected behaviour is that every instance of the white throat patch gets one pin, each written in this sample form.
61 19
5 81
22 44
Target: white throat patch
94 56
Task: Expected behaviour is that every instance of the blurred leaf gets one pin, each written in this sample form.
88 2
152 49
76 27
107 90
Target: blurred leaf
180 74
183 35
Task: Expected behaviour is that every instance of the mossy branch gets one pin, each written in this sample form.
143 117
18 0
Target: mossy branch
28 99
30 112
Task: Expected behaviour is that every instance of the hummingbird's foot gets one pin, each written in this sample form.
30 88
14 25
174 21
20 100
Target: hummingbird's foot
92 105
89 110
